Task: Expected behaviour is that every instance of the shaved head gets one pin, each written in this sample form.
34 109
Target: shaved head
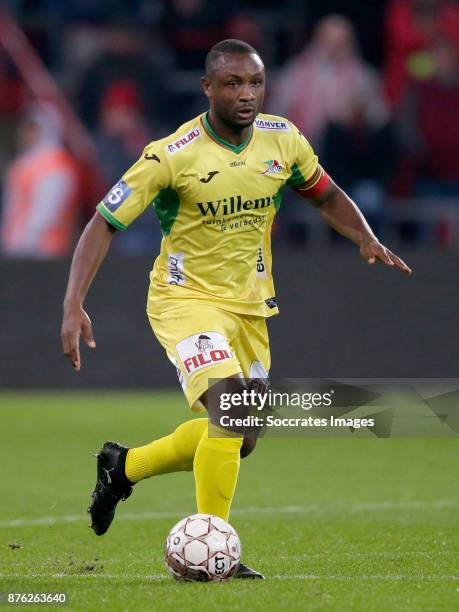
230 46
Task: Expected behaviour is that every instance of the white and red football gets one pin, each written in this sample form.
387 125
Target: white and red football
202 548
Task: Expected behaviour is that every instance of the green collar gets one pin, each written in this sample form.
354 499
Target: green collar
222 142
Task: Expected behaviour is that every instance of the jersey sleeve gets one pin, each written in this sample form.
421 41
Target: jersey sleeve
137 188
308 177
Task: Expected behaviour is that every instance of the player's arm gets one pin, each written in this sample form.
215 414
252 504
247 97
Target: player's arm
342 214
89 254
118 209
310 181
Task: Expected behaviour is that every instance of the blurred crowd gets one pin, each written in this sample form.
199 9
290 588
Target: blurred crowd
375 90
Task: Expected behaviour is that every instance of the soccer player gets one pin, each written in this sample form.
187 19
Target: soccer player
215 185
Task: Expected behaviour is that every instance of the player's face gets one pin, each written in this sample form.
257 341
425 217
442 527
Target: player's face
236 88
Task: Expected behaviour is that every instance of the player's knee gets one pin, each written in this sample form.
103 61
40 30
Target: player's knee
225 413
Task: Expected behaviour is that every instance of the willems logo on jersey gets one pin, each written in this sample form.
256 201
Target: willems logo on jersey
233 205
183 141
203 350
274 167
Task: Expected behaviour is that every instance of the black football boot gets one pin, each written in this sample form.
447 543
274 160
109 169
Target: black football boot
112 486
244 572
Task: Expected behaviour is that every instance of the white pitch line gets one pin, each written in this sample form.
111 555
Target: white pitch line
365 555
408 505
156 577
374 577
85 575
74 518
360 507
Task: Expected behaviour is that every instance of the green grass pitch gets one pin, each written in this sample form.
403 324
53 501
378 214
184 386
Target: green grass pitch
335 524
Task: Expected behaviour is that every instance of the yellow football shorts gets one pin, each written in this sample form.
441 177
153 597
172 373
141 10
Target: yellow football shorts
205 342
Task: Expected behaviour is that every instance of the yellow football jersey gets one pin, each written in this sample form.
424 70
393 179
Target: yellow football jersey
215 203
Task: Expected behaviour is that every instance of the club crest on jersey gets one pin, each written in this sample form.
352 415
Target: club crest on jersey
203 350
183 141
267 124
274 167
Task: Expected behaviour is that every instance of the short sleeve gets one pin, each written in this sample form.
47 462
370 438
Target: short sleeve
308 176
137 188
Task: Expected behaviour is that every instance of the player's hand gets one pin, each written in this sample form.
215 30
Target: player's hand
372 250
76 323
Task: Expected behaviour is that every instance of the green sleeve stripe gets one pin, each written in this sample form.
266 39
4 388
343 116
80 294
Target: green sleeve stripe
110 218
296 178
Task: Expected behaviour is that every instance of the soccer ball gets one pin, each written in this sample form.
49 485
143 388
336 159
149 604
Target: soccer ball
202 548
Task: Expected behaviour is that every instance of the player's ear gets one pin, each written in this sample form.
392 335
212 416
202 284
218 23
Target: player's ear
205 84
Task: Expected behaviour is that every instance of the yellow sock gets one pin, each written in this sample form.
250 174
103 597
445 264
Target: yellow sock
173 453
216 468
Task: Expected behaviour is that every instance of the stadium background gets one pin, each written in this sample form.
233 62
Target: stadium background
141 61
